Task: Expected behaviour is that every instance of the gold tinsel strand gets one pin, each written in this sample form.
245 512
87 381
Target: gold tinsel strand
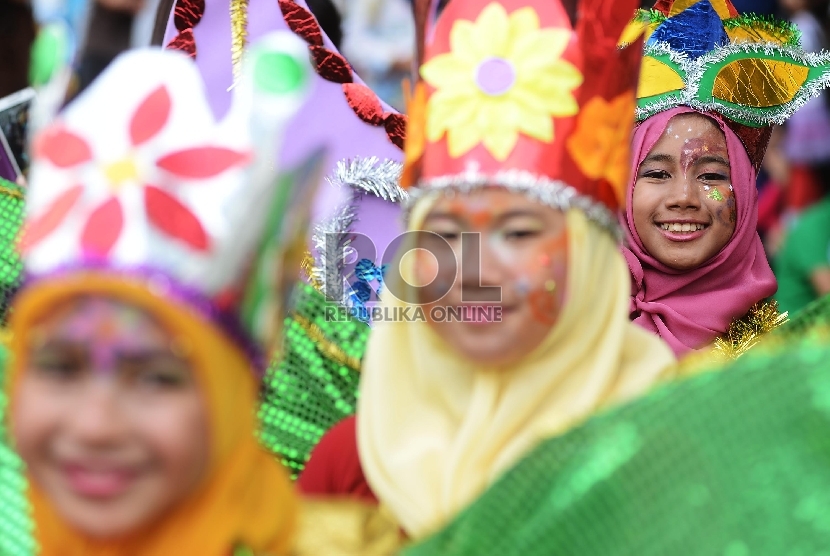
307 266
239 35
741 336
326 346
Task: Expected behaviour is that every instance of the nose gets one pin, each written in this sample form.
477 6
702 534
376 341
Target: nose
683 194
482 271
98 419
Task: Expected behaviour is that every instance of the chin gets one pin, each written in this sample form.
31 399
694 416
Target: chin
104 521
493 353
101 525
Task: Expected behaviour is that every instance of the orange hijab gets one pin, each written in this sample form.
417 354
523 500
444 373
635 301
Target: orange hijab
246 499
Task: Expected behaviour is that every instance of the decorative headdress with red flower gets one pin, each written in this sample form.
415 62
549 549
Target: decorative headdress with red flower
137 178
533 96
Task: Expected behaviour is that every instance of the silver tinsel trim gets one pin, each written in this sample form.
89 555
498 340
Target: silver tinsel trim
372 176
695 70
328 255
553 193
361 176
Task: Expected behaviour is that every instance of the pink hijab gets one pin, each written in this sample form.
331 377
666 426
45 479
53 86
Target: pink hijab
689 309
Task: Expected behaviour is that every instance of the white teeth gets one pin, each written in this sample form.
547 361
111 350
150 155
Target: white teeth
684 227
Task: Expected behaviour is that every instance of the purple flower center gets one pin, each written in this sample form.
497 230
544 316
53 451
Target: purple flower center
495 76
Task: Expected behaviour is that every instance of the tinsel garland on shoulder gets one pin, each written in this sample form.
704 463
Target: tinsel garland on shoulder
743 334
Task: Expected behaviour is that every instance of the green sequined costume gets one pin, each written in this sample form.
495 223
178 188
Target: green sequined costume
15 525
313 385
730 463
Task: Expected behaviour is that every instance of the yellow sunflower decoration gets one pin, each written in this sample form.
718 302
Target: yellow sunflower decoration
502 76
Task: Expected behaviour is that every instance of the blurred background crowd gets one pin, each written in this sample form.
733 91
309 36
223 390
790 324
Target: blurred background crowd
377 37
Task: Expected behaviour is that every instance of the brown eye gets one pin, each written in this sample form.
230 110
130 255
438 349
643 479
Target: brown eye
656 174
521 233
58 364
713 176
165 379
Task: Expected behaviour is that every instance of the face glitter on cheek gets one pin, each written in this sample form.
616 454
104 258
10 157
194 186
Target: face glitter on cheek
544 306
715 195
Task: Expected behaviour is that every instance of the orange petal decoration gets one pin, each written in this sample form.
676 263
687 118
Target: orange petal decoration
415 136
600 144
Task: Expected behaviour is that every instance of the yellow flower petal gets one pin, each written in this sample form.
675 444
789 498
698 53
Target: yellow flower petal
498 115
562 75
537 125
523 22
462 139
542 91
457 108
540 48
502 144
464 44
492 30
446 71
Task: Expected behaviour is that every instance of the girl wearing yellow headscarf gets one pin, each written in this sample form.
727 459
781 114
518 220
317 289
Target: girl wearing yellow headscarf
507 320
136 418
133 386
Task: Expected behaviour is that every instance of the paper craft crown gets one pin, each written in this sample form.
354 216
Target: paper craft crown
747 68
533 96
136 178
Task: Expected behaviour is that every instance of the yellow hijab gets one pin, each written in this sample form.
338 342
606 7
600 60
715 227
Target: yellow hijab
246 498
434 430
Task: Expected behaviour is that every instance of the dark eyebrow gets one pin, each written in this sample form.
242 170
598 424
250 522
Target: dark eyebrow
517 213
137 357
713 158
443 215
149 356
659 157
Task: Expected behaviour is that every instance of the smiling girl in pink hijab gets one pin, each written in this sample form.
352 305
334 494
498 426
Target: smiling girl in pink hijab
696 282
707 99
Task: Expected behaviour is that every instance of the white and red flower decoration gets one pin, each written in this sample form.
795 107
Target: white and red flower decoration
70 152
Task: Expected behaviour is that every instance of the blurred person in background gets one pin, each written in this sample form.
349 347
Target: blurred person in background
17 30
378 40
803 263
328 16
807 141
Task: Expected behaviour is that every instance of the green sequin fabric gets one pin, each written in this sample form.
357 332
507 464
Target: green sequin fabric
15 525
313 384
11 268
732 463
810 319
